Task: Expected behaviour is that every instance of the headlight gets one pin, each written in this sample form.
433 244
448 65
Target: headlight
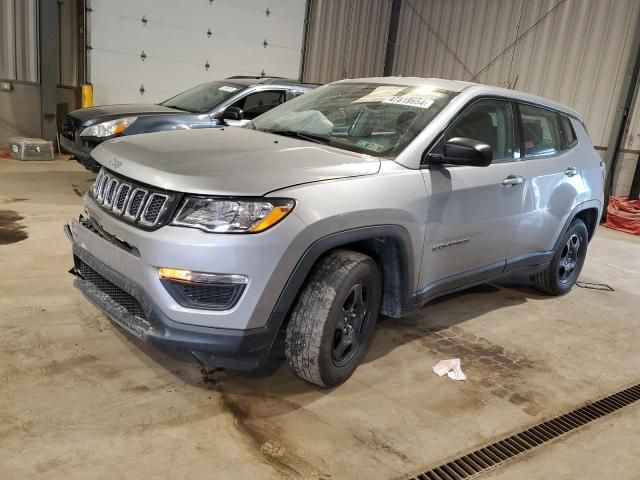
232 216
108 129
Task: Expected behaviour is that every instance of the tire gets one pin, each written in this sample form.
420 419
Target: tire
89 164
334 318
567 262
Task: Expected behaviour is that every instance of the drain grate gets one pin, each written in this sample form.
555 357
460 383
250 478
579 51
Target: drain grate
486 458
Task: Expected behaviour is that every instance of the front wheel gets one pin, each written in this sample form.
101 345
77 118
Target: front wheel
334 318
567 262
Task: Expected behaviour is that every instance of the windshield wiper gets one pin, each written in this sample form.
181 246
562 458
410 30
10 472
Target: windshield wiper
310 137
175 107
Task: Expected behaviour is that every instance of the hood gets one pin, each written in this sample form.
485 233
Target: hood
104 113
228 161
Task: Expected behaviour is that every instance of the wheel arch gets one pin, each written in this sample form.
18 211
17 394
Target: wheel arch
590 217
589 212
389 245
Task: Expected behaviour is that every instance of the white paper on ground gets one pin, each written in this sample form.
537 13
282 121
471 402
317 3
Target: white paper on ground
457 374
451 368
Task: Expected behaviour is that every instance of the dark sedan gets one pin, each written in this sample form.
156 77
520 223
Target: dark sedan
233 101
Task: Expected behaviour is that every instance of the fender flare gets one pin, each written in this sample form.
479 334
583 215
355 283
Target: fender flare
577 209
325 244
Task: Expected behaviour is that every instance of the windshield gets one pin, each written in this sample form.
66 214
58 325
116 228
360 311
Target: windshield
372 118
203 98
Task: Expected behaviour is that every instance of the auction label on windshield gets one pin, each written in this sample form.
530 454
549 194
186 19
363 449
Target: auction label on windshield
409 101
228 89
375 147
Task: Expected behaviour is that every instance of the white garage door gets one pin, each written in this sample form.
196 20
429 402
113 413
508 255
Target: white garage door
148 50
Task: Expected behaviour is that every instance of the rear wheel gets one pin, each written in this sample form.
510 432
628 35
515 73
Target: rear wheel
567 262
334 319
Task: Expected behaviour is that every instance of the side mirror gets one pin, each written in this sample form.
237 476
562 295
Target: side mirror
464 151
231 113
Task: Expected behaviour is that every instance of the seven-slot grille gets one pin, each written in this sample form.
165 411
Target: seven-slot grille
133 202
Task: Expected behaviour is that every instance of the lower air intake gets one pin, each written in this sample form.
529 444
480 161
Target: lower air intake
115 293
218 296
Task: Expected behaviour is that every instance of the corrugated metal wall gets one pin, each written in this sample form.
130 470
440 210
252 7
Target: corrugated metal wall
19 40
346 39
572 51
455 39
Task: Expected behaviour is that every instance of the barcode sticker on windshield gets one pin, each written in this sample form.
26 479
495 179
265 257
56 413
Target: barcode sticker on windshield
228 89
409 101
375 147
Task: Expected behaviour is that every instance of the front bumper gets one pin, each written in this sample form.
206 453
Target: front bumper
110 291
238 338
77 149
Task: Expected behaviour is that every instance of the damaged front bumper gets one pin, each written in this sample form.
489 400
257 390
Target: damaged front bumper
129 306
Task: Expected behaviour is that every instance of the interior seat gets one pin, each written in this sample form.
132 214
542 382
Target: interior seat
477 126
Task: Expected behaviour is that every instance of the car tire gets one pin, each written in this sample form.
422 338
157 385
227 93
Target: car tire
334 318
89 164
567 262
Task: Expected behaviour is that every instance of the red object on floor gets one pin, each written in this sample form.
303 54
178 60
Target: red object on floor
624 215
5 154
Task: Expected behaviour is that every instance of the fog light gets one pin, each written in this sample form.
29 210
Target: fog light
201 277
210 291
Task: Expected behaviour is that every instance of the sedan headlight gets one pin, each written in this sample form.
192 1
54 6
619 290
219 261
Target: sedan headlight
108 129
230 215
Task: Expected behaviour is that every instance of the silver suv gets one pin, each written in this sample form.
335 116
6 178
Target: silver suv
363 197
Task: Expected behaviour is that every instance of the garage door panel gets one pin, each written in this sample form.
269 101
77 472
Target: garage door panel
116 34
177 47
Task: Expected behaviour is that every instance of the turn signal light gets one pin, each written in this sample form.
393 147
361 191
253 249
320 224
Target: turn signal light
175 274
119 129
201 277
274 216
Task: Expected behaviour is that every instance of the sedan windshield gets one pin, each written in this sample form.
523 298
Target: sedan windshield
203 98
372 118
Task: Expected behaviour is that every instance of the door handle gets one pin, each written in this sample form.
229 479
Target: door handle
571 171
513 180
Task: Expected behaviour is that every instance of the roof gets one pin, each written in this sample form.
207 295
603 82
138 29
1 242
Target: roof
441 83
476 89
248 81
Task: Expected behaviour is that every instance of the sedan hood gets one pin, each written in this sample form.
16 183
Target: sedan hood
104 113
228 161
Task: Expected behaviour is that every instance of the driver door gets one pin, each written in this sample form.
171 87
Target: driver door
256 104
473 212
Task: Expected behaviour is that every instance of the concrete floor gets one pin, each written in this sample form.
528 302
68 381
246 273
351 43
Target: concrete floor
80 399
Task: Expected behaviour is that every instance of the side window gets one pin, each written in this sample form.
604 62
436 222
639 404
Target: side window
490 122
541 132
569 134
260 102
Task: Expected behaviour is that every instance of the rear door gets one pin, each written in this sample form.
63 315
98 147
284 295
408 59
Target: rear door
553 183
473 212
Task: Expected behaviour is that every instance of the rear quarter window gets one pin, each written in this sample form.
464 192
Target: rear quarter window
541 132
569 134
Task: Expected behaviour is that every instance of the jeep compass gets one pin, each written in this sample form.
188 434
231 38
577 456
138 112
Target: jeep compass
363 197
